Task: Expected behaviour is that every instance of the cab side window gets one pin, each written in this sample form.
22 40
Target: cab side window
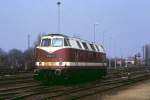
66 42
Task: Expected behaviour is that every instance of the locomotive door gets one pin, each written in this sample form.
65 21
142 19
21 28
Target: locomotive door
76 57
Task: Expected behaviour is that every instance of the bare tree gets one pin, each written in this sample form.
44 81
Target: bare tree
15 58
29 59
3 58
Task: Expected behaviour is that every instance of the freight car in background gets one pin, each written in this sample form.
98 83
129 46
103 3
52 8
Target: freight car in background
59 57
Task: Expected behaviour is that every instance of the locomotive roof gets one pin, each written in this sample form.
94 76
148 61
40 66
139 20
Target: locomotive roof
65 36
57 35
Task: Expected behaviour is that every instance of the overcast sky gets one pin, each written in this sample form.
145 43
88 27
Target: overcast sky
123 25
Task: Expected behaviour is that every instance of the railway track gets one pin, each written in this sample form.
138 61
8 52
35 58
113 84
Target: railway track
25 87
10 85
16 76
81 91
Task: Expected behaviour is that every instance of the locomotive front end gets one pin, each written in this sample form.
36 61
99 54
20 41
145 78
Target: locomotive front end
50 57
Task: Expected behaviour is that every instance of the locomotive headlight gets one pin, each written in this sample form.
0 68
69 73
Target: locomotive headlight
58 72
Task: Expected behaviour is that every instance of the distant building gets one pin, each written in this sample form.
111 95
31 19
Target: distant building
116 62
134 60
120 62
130 61
146 54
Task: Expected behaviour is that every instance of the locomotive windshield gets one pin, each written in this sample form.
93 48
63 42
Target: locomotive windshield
57 42
46 42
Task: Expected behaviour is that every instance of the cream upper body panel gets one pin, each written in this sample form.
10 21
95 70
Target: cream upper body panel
75 43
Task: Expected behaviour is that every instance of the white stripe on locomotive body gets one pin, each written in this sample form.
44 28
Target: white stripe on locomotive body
73 43
81 64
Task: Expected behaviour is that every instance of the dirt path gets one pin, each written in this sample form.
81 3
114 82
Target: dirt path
139 91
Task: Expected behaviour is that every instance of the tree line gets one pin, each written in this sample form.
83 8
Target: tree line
17 59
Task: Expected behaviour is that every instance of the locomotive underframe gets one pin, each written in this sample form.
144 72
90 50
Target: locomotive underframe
71 74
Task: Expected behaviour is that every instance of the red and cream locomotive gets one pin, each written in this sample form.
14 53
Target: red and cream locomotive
61 56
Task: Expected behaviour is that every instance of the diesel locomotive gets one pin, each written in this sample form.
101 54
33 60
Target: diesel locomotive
62 57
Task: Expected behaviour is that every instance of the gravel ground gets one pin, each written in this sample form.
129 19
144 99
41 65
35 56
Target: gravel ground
138 91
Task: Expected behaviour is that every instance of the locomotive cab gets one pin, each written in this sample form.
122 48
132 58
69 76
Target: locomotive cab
48 56
48 49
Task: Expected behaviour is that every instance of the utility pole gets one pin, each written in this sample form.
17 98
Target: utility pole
115 62
109 62
28 41
103 39
58 27
95 30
